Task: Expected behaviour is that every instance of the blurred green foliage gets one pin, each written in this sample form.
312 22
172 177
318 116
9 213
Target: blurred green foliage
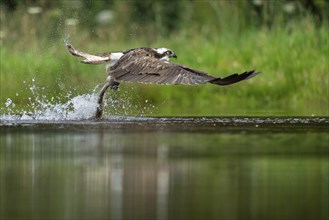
152 19
286 40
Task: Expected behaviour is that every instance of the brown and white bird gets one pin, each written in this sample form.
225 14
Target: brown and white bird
149 65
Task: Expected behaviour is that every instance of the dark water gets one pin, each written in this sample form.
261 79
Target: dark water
165 168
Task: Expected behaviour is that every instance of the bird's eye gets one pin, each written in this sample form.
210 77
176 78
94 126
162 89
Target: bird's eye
167 52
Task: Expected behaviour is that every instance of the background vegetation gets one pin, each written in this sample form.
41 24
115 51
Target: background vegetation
286 40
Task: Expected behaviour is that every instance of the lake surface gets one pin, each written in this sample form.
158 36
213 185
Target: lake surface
164 168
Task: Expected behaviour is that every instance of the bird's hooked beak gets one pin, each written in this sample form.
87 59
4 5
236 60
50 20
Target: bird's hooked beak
174 56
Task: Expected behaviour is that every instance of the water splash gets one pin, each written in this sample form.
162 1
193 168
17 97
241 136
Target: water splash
73 107
9 102
76 108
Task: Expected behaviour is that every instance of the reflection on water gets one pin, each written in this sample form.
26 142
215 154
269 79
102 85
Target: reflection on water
118 174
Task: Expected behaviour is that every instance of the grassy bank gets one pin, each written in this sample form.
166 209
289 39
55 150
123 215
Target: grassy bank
293 60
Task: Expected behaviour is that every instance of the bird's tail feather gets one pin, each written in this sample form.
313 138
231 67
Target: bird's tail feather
234 78
88 58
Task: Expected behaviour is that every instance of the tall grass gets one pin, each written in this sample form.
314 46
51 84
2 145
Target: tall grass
293 60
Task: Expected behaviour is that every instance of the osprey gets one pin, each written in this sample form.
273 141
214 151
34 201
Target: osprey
149 65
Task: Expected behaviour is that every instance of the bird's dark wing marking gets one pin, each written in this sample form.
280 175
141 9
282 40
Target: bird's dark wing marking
234 78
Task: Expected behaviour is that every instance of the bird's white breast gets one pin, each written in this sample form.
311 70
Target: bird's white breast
114 58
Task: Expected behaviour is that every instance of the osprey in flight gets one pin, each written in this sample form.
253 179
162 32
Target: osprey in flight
149 65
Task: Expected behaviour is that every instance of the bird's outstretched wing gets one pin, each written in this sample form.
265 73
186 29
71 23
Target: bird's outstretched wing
88 58
147 69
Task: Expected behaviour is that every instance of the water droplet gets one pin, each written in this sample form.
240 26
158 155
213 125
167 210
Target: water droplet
8 102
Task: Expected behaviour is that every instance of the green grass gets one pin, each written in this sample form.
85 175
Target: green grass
293 62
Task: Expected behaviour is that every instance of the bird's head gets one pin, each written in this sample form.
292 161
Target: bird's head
165 53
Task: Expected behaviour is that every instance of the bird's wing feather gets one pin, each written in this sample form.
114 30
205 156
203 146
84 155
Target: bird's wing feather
147 69
88 58
136 67
234 78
